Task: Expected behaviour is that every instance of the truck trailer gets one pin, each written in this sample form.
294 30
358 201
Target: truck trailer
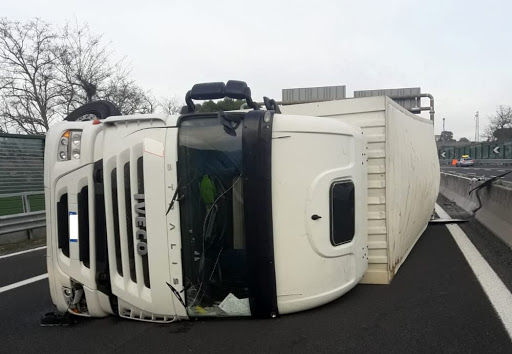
258 212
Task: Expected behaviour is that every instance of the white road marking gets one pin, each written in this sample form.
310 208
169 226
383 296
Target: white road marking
22 252
23 282
496 291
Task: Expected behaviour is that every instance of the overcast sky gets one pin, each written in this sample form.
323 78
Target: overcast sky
459 51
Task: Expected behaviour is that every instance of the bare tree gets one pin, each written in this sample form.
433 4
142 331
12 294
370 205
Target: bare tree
84 65
3 123
502 119
128 97
88 73
151 102
171 105
45 73
27 76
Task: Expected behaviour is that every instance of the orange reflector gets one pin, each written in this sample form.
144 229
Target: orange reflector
66 134
96 121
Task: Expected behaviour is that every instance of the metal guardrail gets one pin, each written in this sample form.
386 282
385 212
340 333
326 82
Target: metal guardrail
494 162
492 207
26 221
503 162
22 222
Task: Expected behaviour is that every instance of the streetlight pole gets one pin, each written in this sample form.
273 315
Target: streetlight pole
477 127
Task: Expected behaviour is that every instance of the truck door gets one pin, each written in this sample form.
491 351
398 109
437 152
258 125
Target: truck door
319 188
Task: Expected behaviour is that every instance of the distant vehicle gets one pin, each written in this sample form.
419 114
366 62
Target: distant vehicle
465 160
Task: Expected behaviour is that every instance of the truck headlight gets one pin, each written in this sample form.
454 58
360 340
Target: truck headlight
76 138
69 145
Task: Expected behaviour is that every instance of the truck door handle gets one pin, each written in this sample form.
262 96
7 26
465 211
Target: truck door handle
315 217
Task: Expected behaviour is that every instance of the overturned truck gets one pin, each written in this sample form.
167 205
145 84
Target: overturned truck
257 212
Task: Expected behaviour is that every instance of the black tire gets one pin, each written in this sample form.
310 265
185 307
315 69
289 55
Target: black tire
99 109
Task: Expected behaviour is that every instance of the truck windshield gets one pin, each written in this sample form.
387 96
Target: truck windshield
211 212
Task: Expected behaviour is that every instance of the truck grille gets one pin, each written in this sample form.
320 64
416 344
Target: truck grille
92 242
63 224
100 231
129 221
140 190
122 218
110 252
120 197
83 226
115 220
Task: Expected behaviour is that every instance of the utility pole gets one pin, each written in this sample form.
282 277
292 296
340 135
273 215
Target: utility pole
443 124
477 127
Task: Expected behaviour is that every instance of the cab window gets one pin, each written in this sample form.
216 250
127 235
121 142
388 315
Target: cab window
342 212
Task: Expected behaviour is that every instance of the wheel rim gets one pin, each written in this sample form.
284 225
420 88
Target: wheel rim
87 117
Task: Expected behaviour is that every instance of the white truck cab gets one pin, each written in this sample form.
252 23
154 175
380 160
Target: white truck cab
244 213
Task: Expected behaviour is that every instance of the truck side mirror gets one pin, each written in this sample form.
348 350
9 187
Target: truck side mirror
217 90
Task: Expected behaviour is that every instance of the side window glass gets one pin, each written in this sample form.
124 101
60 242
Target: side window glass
342 212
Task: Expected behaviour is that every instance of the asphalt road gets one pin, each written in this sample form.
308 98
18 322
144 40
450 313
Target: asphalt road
23 266
434 304
480 171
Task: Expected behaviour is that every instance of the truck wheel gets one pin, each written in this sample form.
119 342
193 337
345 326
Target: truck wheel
93 110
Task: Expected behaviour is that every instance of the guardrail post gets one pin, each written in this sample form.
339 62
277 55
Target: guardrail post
26 209
26 204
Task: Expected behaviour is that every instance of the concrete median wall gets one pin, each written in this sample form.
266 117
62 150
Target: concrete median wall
20 236
496 211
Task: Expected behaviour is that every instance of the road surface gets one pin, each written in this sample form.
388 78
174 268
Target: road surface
480 171
434 304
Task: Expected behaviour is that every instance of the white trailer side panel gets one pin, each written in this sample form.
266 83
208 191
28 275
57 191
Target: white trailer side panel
412 181
387 127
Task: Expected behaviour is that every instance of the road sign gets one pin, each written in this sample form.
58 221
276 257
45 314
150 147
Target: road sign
443 154
496 150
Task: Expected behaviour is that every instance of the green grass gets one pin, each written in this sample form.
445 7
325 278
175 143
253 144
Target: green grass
11 205
14 205
36 202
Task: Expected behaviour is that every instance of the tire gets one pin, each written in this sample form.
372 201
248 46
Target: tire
93 110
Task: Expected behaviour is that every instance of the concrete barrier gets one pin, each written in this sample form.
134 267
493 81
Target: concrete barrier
496 211
20 236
